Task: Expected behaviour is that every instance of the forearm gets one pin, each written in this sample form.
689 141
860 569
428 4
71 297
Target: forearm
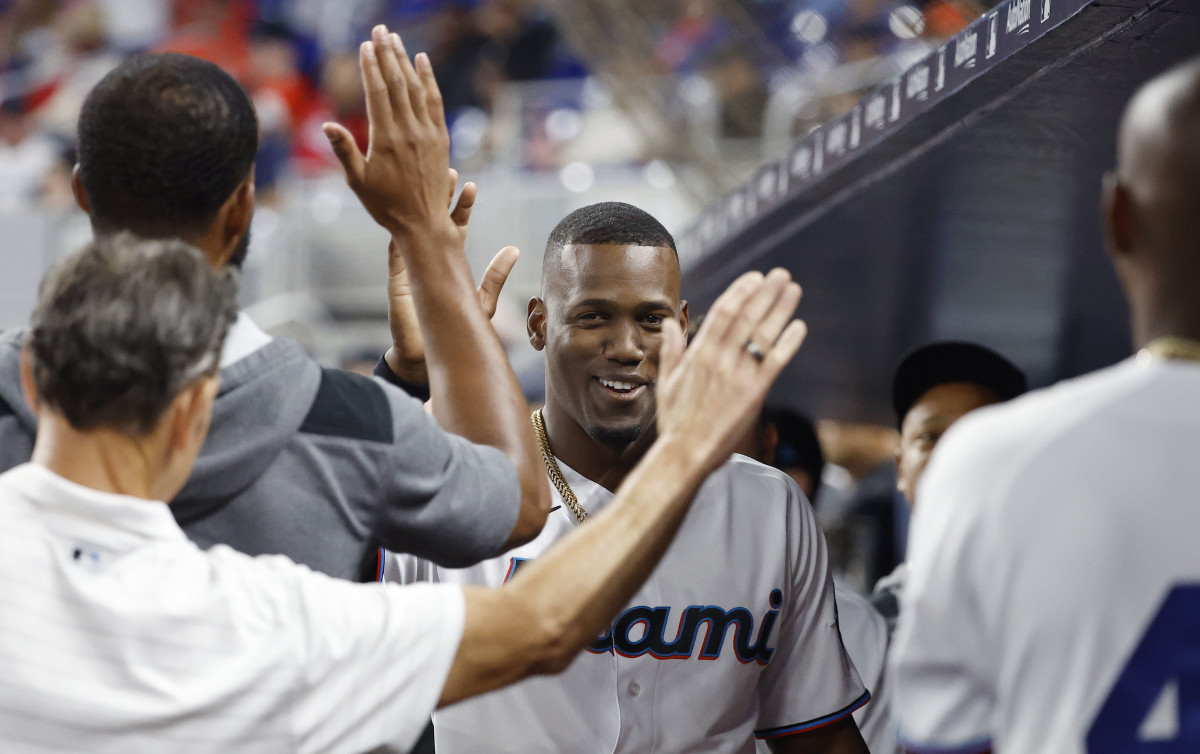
561 602
471 383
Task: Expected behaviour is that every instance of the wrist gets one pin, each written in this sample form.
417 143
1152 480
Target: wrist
686 456
417 240
407 370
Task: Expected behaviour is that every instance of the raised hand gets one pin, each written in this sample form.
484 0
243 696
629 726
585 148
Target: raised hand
402 180
406 357
708 393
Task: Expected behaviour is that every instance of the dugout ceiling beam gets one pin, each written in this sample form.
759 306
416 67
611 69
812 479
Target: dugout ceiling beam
959 200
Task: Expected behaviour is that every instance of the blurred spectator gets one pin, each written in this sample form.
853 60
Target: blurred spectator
82 52
796 451
340 98
26 157
216 30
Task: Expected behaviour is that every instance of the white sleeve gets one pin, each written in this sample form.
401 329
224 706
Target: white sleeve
809 681
374 659
865 634
403 568
940 661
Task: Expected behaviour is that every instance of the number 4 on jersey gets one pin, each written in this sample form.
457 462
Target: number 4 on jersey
1154 707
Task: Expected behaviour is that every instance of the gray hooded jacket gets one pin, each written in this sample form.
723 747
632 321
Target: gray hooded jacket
320 465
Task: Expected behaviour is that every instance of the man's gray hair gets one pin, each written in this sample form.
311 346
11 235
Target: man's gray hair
123 325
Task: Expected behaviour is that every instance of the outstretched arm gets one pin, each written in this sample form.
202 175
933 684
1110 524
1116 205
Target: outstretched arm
403 182
563 600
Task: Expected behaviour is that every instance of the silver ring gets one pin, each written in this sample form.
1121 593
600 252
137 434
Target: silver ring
755 351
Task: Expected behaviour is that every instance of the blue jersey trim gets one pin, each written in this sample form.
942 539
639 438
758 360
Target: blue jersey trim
382 557
978 746
820 722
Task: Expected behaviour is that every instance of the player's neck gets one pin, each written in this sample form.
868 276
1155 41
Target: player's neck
606 465
1165 308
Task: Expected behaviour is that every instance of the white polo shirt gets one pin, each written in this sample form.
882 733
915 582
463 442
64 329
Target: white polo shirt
117 634
1053 598
733 636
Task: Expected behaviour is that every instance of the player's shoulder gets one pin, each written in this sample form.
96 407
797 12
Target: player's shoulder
1030 430
857 610
747 479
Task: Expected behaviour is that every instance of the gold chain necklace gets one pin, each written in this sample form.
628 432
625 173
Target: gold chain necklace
1173 348
556 475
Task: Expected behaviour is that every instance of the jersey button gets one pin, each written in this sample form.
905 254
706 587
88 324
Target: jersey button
634 689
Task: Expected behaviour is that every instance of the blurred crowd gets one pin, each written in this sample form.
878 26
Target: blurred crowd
298 61
297 58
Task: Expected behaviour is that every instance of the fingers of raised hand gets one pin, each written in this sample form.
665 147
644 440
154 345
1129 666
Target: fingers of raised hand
772 322
415 84
433 93
723 315
461 215
785 348
495 276
453 180
346 151
388 60
379 106
754 323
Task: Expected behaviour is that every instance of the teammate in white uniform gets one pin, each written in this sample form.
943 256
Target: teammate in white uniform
1053 604
933 387
735 635
789 442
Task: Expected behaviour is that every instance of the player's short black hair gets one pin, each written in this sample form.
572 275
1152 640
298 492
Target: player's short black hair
164 139
610 223
605 223
952 361
798 446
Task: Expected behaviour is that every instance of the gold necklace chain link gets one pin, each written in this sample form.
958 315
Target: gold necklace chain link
552 468
1172 348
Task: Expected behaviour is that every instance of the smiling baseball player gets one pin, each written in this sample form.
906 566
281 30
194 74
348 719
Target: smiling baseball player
735 634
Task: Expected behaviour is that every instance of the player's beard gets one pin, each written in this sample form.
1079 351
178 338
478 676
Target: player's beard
615 437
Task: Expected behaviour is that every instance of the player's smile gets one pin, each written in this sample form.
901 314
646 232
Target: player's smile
623 389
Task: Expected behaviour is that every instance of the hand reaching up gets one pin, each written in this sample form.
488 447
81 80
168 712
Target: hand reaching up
402 180
707 395
406 357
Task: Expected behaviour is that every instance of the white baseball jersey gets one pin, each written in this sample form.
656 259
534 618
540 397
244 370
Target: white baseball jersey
734 635
1053 598
865 635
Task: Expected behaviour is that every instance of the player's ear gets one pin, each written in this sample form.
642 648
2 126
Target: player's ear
901 480
684 316
28 386
81 197
1119 215
535 323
